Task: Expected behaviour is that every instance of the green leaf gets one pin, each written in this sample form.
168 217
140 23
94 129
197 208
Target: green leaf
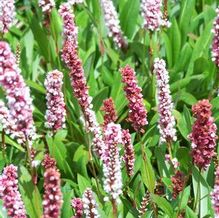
83 183
128 17
147 173
185 17
176 40
13 143
190 213
40 37
187 98
163 204
30 194
184 82
3 212
181 124
36 86
67 196
184 196
98 99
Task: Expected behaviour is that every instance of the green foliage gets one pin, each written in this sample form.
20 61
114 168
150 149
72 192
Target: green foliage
193 76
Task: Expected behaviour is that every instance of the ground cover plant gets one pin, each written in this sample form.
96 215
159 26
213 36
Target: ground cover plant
109 108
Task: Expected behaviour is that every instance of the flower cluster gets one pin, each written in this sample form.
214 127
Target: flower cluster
152 14
55 114
70 30
173 161
144 203
46 5
7 15
178 182
165 107
203 134
109 110
129 153
137 111
77 204
78 82
52 198
90 205
74 2
48 162
111 163
4 114
20 114
10 194
215 44
215 193
113 24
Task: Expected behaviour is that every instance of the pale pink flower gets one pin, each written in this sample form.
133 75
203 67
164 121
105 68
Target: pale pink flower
74 2
89 204
18 97
144 203
215 44
165 106
47 5
7 15
152 14
56 112
112 163
70 30
113 24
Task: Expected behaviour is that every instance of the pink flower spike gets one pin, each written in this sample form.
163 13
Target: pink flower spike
47 5
52 198
56 112
79 85
113 24
90 205
203 136
70 30
152 14
165 106
77 204
215 44
111 162
9 193
110 111
48 162
74 2
178 182
18 97
137 111
7 15
129 153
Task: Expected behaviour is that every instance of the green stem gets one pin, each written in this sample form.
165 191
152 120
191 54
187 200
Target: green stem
144 159
115 212
3 147
91 160
180 203
169 147
165 9
197 199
